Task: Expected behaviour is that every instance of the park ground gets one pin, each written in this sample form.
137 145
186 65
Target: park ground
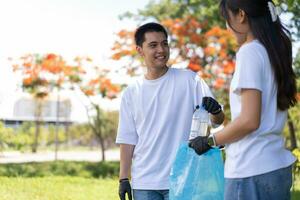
70 182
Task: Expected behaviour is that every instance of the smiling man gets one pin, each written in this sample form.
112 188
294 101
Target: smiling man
155 117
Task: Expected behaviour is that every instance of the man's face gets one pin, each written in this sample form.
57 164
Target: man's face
155 50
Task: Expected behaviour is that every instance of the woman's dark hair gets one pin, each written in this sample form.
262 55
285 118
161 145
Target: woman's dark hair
275 38
139 35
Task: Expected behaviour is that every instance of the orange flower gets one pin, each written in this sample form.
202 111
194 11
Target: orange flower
88 92
204 75
110 95
114 88
125 33
116 56
126 52
209 51
219 83
228 67
298 96
223 54
215 31
27 64
68 70
167 22
194 67
27 81
51 56
195 38
93 82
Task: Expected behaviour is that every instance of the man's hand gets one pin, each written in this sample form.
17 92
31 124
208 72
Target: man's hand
124 187
211 105
200 144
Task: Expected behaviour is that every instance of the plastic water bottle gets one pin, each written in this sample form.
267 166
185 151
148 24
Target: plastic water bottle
199 123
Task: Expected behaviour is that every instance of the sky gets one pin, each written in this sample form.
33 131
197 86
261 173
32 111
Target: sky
66 27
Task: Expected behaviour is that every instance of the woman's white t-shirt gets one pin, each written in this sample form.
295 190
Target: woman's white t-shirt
156 116
263 150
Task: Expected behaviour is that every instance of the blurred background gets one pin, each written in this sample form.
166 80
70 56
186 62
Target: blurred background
63 66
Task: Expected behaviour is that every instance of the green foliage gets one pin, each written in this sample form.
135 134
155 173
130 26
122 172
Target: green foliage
293 7
27 129
296 153
48 135
22 138
297 65
81 133
6 136
205 11
295 116
17 140
110 127
61 168
104 126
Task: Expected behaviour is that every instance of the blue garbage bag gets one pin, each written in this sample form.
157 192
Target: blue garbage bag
195 177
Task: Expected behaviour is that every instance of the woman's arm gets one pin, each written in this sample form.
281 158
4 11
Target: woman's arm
248 120
218 118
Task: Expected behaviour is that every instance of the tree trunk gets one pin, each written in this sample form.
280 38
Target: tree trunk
38 116
96 125
36 136
68 140
57 125
102 148
292 133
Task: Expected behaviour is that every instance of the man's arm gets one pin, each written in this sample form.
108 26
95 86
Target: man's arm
247 122
214 109
126 153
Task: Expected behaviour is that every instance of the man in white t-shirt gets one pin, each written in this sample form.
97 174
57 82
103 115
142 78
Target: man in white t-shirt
155 117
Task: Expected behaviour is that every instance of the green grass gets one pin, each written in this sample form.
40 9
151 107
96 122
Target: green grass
58 188
67 188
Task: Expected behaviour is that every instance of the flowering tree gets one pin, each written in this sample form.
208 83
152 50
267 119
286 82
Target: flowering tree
41 74
198 36
209 52
96 86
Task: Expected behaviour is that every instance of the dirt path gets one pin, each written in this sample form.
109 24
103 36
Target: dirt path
91 156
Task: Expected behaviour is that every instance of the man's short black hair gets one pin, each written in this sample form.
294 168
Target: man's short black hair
139 35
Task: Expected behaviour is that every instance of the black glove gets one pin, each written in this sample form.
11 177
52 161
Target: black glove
211 105
200 144
124 187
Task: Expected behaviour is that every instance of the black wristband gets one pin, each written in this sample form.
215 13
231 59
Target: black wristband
123 179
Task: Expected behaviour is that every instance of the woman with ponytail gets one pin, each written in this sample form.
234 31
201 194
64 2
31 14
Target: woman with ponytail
263 88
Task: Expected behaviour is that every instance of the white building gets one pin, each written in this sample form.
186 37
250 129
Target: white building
26 109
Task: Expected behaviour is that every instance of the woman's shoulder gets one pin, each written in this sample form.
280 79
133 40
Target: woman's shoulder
252 51
252 47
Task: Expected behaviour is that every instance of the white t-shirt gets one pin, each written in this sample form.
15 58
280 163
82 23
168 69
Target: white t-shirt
263 150
155 116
